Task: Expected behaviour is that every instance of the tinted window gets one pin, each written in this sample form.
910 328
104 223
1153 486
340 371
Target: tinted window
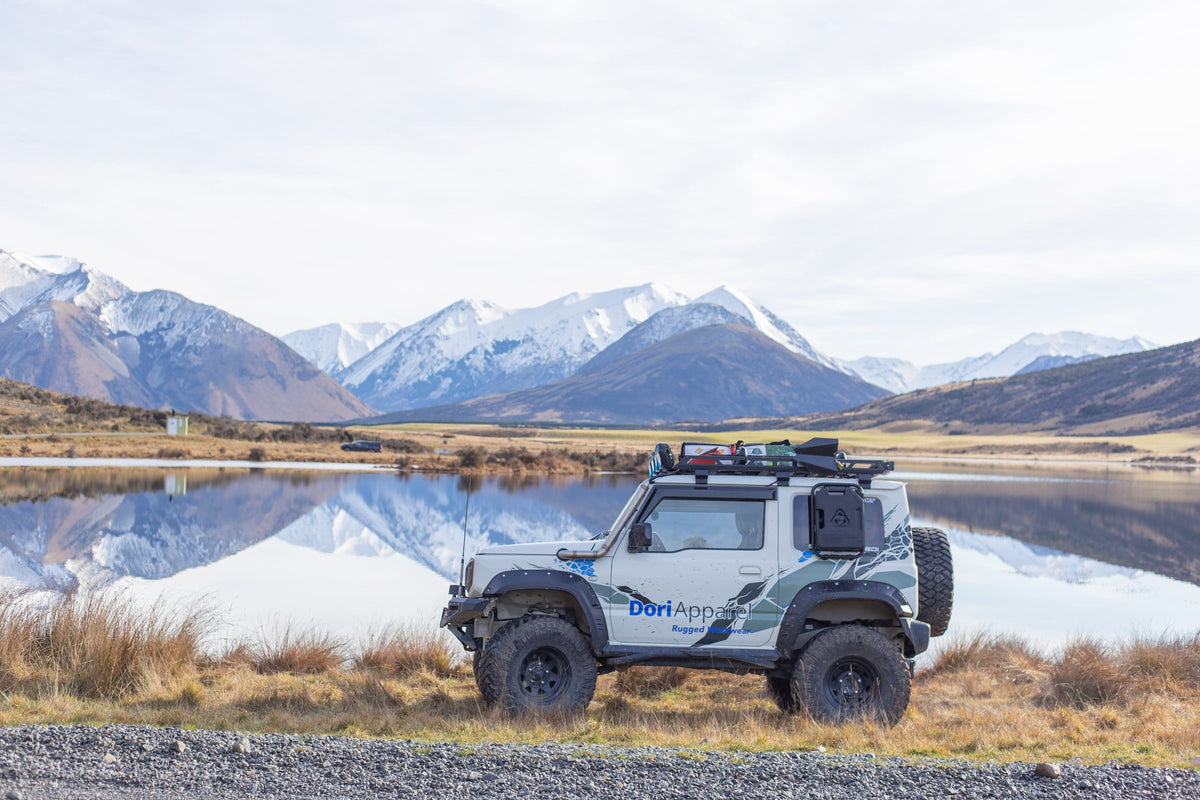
800 534
685 524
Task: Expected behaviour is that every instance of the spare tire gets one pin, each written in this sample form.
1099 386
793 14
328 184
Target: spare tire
935 578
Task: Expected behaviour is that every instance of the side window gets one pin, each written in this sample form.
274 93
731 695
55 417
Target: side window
686 524
801 539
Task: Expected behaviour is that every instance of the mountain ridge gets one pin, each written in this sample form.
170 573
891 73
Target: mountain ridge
1131 393
79 331
704 374
900 376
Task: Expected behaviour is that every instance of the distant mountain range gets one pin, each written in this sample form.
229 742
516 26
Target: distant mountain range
1035 352
1126 394
705 374
67 327
474 348
335 346
582 357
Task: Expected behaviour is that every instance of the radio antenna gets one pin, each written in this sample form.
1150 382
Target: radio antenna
462 561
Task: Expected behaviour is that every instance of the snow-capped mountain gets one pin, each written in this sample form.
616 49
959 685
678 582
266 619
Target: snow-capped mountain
767 324
662 326
474 348
336 346
67 327
1036 349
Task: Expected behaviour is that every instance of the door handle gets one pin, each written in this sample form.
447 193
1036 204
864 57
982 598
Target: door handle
750 569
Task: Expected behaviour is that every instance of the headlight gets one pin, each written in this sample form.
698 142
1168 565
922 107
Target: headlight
469 576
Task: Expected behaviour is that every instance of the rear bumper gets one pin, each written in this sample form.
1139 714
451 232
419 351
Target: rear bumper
916 636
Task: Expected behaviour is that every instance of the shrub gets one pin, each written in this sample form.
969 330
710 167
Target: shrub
471 457
411 446
257 454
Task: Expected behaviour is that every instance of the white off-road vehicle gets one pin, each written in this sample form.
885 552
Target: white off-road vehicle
794 562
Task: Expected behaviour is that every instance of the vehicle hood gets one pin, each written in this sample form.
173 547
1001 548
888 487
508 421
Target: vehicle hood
538 548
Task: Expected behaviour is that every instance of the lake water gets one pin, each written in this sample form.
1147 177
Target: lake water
1048 552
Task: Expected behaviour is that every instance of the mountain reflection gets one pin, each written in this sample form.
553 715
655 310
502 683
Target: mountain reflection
1152 525
65 527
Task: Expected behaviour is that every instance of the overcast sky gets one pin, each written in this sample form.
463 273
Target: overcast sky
926 180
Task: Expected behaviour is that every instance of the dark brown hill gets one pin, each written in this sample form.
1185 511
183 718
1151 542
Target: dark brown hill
1136 393
705 374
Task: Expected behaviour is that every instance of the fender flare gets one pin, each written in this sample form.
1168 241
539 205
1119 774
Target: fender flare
553 580
916 634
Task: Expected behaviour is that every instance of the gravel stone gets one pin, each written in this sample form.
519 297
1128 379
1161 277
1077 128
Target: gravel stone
1047 770
43 762
178 746
242 747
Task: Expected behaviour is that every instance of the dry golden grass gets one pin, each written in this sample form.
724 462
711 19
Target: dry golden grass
98 645
986 697
404 650
289 649
567 451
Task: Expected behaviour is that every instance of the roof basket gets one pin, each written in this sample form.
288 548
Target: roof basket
816 458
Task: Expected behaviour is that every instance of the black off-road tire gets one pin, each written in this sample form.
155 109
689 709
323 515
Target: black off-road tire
780 691
935 578
484 688
542 665
849 673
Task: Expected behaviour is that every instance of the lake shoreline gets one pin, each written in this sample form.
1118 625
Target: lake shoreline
503 450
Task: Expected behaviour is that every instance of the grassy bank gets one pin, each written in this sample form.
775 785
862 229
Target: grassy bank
493 449
39 423
104 660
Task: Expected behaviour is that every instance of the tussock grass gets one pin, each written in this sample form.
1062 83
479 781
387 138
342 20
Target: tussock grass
985 696
404 650
1088 672
650 681
97 645
291 649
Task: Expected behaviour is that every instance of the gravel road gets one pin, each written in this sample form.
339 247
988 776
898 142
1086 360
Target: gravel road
125 761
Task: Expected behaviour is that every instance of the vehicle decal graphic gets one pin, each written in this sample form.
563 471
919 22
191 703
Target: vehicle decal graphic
723 627
892 565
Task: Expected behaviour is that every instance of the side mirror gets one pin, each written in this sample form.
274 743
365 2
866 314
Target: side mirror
639 537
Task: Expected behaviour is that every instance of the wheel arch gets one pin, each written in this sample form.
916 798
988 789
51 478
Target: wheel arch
564 589
839 602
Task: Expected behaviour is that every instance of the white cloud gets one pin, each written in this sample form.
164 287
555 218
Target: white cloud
876 174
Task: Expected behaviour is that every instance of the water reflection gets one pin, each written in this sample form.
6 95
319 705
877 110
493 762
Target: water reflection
1079 548
1116 514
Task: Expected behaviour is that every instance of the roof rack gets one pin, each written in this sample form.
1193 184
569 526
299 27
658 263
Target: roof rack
816 458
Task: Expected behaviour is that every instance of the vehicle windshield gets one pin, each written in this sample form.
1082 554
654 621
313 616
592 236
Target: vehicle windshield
627 511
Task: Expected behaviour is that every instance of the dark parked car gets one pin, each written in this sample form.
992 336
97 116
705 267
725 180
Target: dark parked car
362 446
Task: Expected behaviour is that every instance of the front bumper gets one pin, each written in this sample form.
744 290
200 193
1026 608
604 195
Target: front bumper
460 613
